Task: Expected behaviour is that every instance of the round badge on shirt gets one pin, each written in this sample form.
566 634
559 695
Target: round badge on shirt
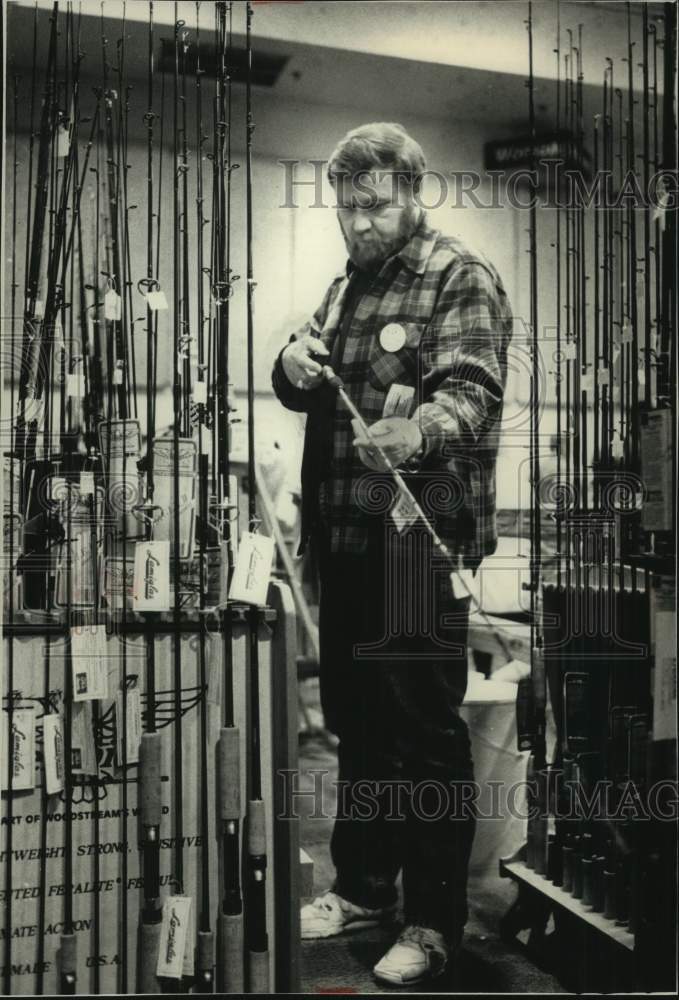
392 337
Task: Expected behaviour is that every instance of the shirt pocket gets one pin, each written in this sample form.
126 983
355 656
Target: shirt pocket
402 366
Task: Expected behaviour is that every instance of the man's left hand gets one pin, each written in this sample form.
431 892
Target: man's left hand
399 438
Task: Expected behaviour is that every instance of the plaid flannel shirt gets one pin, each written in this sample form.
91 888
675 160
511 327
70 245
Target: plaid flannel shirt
452 307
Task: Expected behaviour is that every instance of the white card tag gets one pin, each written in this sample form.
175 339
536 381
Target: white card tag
53 753
174 934
403 513
117 375
199 392
252 569
63 142
151 586
189 951
20 745
156 300
87 484
75 385
113 305
83 752
604 377
90 663
617 448
39 310
399 401
463 582
570 351
128 725
587 382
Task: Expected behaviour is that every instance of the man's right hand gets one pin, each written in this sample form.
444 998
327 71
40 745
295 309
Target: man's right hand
298 364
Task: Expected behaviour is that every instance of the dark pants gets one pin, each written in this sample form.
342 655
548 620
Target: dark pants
393 674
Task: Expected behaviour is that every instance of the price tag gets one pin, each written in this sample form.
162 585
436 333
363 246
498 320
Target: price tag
587 382
128 725
188 964
617 448
83 752
604 376
39 310
151 586
462 581
174 936
19 744
399 401
252 569
53 753
403 513
87 484
113 306
641 375
117 375
156 300
75 385
63 141
90 663
570 352
199 392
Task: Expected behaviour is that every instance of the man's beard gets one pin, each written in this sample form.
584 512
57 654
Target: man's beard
370 252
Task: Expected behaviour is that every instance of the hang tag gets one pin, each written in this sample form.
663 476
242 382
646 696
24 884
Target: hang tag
63 142
129 726
641 372
75 385
392 337
399 401
463 582
151 586
403 513
189 951
174 935
252 570
39 310
58 489
117 375
587 382
604 376
87 484
113 306
205 441
19 744
617 448
53 753
570 351
199 391
156 300
616 352
90 663
83 751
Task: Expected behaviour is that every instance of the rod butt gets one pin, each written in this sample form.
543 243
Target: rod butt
258 972
149 779
228 771
149 944
231 955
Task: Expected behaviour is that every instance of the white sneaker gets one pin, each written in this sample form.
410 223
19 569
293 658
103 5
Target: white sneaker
419 953
329 914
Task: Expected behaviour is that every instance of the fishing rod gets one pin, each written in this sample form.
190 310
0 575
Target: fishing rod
206 943
231 958
150 789
559 359
257 939
632 263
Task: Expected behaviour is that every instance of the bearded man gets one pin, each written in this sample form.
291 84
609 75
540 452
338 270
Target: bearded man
417 328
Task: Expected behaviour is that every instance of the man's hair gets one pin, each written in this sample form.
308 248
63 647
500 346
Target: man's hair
377 146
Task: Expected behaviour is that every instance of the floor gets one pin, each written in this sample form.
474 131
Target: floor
343 964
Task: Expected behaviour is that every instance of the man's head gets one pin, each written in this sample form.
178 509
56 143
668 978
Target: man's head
376 172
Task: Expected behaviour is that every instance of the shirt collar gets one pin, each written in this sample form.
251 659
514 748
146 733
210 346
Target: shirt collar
416 252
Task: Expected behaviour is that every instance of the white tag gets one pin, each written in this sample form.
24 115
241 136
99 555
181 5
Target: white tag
587 382
205 441
174 932
130 725
90 662
53 753
252 570
641 372
58 489
617 448
39 310
117 375
604 376
87 484
75 385
83 751
403 513
570 352
199 392
63 141
399 400
113 305
463 583
156 300
20 745
151 586
616 352
189 952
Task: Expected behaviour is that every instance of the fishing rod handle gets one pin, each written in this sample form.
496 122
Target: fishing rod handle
258 972
228 773
149 946
67 963
149 779
231 953
205 962
256 829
